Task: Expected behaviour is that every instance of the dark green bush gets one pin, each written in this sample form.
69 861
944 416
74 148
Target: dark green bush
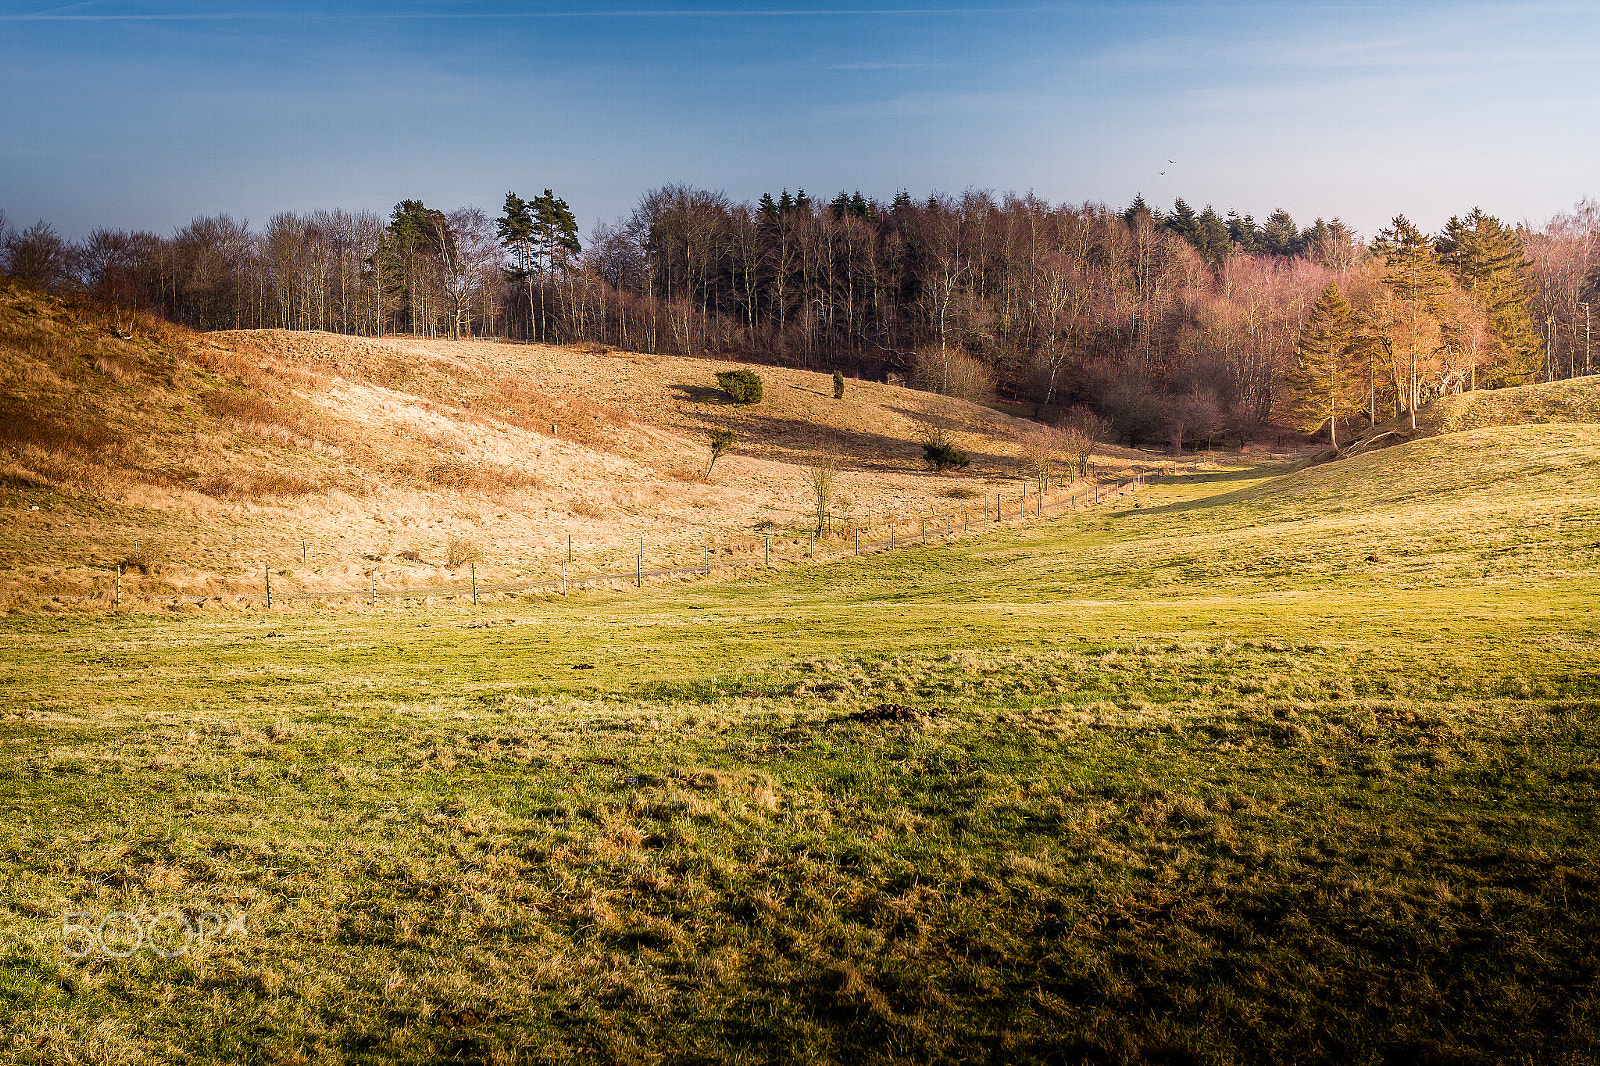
721 441
939 448
743 385
838 385
944 457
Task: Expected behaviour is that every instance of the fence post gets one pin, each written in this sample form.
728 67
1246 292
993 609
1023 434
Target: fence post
374 588
811 544
268 571
302 552
706 563
999 506
966 519
638 574
119 584
474 584
768 541
563 577
924 531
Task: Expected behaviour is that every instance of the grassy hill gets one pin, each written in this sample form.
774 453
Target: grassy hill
1273 767
1576 400
211 457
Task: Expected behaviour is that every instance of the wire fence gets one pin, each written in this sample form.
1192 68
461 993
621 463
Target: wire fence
766 551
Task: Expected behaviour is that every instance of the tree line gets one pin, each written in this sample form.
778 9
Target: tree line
1173 325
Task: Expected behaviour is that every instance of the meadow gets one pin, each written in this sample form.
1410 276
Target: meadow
1259 766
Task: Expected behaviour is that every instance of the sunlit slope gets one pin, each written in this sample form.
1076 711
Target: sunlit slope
1510 507
1576 400
209 458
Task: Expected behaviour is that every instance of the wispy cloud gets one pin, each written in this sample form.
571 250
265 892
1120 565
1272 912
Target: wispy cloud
892 66
66 15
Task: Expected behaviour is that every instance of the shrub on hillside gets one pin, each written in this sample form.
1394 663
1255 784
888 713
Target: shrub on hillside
743 385
939 451
838 385
721 441
147 557
460 551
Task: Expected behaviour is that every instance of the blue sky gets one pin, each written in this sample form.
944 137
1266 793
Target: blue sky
145 114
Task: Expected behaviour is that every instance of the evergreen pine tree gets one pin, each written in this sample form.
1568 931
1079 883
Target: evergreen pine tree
1486 258
1413 273
1182 221
515 227
1211 236
1244 232
1280 235
1324 383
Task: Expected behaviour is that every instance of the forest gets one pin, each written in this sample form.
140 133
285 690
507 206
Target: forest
1177 327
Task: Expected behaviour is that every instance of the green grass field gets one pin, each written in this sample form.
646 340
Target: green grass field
1266 769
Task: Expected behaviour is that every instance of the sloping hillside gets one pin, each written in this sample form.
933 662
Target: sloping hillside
212 456
1576 400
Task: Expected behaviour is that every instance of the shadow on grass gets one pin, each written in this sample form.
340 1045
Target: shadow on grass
1256 476
702 394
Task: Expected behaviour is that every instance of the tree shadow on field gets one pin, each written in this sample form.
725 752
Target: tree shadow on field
1254 474
702 394
797 440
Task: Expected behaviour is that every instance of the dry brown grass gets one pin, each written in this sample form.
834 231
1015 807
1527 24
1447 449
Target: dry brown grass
242 445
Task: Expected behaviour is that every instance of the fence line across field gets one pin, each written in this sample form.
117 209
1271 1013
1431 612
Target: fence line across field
1033 502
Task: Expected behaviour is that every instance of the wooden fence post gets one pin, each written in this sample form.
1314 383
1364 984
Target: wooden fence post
638 574
999 506
563 577
374 588
119 584
268 571
302 552
924 531
474 584
569 547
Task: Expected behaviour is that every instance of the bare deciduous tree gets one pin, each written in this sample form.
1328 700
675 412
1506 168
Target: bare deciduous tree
1041 449
1081 430
820 472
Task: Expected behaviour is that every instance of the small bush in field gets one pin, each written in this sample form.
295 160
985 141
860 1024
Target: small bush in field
460 552
721 441
939 451
838 385
148 557
743 385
